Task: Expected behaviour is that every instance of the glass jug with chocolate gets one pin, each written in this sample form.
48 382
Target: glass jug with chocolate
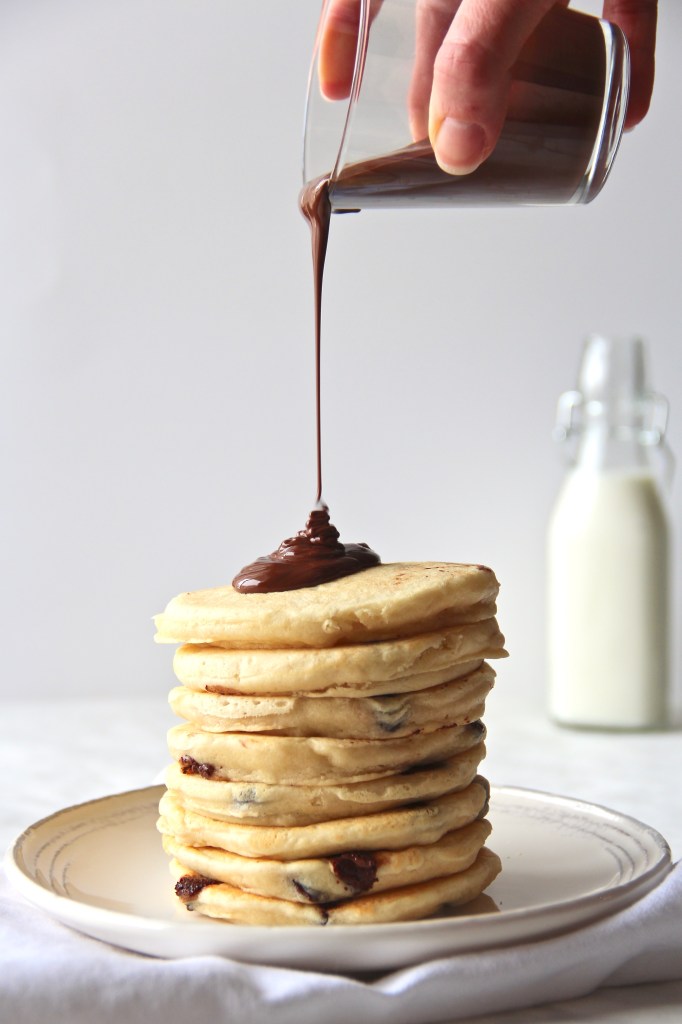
567 105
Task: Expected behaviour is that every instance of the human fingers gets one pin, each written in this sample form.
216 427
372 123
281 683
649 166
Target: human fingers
637 19
433 19
471 78
338 46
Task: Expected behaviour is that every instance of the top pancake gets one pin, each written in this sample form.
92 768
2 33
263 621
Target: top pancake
384 602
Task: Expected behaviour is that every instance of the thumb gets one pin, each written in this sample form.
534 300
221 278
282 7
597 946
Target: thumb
471 78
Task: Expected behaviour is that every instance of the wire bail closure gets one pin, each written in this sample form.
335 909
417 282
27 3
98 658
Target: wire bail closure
572 410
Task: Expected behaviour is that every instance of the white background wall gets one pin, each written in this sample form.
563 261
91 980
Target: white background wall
156 391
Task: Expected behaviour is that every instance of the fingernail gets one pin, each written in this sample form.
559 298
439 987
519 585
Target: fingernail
459 147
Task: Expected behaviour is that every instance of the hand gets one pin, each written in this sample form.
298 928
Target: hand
465 50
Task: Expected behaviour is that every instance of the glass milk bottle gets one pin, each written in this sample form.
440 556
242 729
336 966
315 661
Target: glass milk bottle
608 548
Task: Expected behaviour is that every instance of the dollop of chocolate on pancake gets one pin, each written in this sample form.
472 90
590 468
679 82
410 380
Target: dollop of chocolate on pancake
314 555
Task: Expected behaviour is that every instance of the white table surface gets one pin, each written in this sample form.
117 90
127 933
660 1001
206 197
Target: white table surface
58 753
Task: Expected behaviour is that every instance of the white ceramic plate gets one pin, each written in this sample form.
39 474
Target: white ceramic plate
99 868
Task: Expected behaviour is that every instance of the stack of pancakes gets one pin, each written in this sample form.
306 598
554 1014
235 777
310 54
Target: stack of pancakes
326 771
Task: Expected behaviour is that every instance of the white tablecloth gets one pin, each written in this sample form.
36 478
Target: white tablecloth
50 973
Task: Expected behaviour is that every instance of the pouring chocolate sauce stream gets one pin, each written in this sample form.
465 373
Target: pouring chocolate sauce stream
316 208
315 554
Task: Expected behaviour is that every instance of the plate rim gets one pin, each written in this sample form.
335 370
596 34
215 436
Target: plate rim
78 911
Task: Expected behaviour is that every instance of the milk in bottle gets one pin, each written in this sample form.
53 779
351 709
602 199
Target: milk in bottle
608 549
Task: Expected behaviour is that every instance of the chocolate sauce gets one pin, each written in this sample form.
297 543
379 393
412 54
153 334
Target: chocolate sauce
316 208
358 871
314 555
525 168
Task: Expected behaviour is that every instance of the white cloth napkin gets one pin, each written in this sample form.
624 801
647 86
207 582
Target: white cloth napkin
49 973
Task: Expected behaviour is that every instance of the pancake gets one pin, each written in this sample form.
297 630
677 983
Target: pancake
384 602
297 760
362 670
415 825
328 879
407 903
457 702
326 768
261 804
